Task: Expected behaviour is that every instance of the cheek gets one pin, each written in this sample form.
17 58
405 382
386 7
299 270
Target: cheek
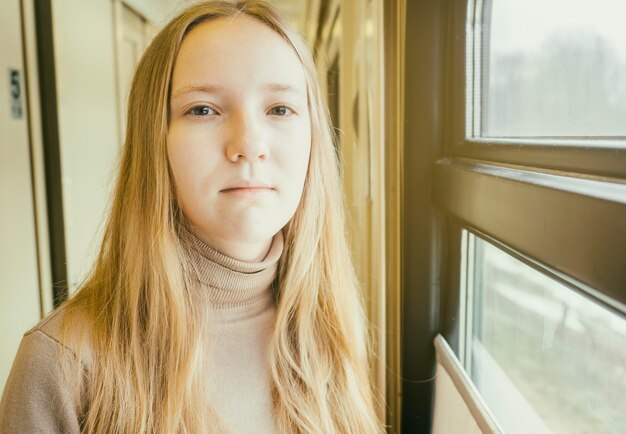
178 163
186 180
189 155
297 161
184 163
305 154
299 144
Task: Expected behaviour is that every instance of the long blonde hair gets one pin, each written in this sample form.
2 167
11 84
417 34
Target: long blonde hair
134 324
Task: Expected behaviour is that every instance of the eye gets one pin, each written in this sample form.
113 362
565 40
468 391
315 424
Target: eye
201 110
281 110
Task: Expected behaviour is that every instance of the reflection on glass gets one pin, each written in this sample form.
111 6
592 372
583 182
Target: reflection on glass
544 358
554 68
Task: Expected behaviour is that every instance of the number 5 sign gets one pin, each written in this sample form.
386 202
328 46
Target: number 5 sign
15 93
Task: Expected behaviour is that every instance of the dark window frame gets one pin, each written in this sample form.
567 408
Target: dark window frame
451 183
574 234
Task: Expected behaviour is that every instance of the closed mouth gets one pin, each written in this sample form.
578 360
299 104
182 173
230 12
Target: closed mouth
248 188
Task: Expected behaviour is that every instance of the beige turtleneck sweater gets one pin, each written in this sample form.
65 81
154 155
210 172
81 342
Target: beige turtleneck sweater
34 399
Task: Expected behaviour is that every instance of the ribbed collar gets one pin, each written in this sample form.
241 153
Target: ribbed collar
230 282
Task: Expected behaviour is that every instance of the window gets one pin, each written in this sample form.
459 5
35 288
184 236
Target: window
548 75
531 187
544 357
553 69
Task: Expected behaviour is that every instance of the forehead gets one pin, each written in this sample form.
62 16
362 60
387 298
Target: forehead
237 51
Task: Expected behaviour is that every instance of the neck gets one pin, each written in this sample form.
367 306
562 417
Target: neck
229 281
246 252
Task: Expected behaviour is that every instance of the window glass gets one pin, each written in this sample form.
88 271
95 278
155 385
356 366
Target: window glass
553 68
544 358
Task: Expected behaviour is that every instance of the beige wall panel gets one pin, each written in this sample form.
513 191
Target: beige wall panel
459 408
156 12
88 123
362 151
131 44
19 285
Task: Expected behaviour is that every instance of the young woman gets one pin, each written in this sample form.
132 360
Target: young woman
223 298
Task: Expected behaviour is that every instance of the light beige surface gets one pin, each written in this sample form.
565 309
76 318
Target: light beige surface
452 416
459 408
155 11
88 123
131 42
19 284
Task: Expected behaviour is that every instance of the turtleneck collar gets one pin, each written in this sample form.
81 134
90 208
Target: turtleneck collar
230 282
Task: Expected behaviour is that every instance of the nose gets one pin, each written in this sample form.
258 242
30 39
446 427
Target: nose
247 139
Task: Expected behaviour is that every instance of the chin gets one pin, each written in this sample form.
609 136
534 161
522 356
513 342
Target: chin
251 236
250 228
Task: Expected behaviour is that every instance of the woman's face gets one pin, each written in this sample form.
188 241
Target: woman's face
238 118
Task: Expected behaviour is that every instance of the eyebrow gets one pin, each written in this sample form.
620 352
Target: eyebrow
273 87
205 89
279 87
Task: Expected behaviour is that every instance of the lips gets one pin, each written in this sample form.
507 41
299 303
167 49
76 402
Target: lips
251 193
249 185
248 189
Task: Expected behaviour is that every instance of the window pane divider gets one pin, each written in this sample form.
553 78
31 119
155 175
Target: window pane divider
565 143
577 234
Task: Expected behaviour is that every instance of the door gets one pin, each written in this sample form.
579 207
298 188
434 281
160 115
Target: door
20 305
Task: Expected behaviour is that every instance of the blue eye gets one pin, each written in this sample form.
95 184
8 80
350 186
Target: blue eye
201 110
281 110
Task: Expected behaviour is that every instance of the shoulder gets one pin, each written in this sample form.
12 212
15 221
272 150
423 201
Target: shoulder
47 333
36 397
38 357
47 336
44 341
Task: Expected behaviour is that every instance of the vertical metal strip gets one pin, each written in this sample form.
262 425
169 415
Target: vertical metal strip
52 151
463 296
40 207
469 70
476 37
469 322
